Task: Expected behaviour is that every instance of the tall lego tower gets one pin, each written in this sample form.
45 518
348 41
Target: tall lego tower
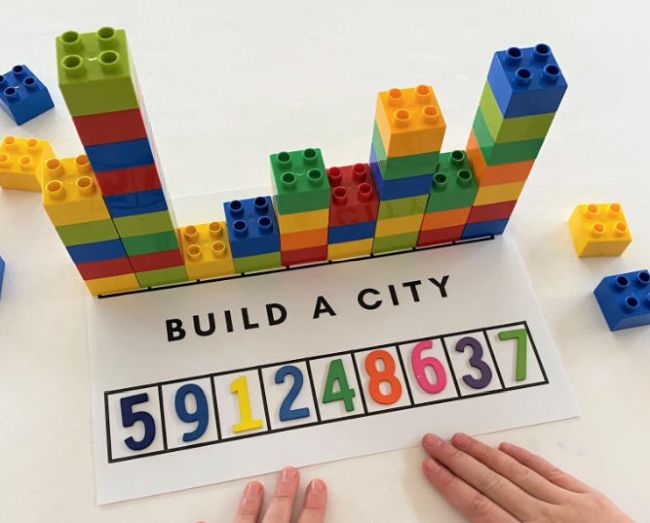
98 83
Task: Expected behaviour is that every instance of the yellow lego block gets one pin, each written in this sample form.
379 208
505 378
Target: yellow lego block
502 192
336 251
399 225
20 162
303 221
599 230
206 250
70 191
409 121
121 283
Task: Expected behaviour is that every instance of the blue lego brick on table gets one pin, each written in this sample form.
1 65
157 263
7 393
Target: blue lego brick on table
96 251
351 232
132 203
526 81
624 299
119 155
487 228
2 273
252 226
22 95
401 187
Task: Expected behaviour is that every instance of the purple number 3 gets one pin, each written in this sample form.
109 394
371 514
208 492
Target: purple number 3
476 362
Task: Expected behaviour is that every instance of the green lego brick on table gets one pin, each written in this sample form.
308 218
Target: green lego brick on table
402 166
139 224
402 206
299 181
162 276
95 72
512 129
148 243
89 232
396 242
259 262
454 185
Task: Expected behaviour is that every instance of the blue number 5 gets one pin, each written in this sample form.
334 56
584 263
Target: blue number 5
286 412
130 418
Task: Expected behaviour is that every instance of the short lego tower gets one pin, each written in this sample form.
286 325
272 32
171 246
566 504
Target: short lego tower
625 299
22 95
206 250
20 162
599 230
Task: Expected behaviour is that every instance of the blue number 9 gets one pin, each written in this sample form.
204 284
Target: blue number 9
199 416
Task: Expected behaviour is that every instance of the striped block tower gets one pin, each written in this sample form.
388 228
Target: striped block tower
407 137
523 91
98 83
301 194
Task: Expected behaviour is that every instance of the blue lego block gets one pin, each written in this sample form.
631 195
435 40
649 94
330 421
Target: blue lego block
487 228
119 155
401 187
526 81
96 251
351 232
2 274
625 299
22 95
252 226
132 203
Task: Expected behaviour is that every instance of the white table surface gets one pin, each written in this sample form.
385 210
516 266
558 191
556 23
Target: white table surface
226 85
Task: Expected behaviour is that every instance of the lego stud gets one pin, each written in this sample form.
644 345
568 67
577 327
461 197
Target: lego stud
513 56
439 181
194 252
643 278
430 115
620 229
423 94
30 83
615 210
457 157
315 177
288 181
284 159
11 94
19 71
53 168
395 97
334 175
597 230
191 234
2 81
523 77
550 74
85 185
216 230
591 211
26 163
110 61
402 118
4 160
219 249
621 283
73 66
360 172
241 228
464 177
309 156
340 195
55 189
9 143
364 192
236 209
541 53
33 145
106 37
261 205
630 303
71 42
265 225
82 164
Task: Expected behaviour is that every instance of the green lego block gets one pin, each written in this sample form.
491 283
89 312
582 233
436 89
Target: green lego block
396 242
454 185
506 152
139 224
512 129
299 181
148 243
161 276
402 206
95 72
89 232
259 262
402 166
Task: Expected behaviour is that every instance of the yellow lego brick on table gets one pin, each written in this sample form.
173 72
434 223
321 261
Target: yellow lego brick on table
303 221
70 192
20 162
352 249
111 284
502 192
206 250
399 225
409 121
599 230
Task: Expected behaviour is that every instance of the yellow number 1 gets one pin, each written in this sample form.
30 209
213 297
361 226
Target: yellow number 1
246 421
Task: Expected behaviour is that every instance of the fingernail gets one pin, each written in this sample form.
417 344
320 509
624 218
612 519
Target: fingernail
462 440
505 446
318 485
431 440
289 474
316 495
431 466
253 489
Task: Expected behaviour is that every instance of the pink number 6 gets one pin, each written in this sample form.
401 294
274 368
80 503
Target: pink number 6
420 364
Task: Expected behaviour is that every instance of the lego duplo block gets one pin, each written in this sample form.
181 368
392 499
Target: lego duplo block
402 206
511 129
259 262
400 187
454 185
526 81
395 226
624 299
112 284
165 276
20 162
299 181
141 202
206 250
599 230
504 192
440 235
116 126
156 260
104 268
119 155
95 72
96 251
303 239
351 232
492 211
354 199
487 228
2 273
22 95
397 242
495 174
306 255
252 228
87 232
445 219
148 243
402 166
353 249
302 221
70 192
409 121
130 179
146 223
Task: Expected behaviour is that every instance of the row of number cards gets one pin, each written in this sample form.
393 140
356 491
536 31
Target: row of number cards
211 409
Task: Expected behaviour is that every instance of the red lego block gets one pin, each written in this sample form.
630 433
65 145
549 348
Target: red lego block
156 260
492 211
129 179
442 235
104 268
308 255
354 198
118 126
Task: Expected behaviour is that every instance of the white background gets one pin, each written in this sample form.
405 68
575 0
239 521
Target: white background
225 85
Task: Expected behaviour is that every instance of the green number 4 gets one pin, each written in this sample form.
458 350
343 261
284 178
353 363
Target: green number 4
521 336
336 375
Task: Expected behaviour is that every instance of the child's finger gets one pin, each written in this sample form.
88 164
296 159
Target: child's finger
250 504
315 503
284 497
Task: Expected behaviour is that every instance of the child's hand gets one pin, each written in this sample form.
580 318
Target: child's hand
281 505
510 484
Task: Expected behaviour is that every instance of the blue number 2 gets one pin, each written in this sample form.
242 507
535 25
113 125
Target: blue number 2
286 412
199 416
130 418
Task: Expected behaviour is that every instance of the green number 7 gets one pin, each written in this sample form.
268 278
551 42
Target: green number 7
522 344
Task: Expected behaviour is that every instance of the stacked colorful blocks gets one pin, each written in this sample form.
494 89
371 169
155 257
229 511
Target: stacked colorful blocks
407 137
20 162
23 95
301 194
523 91
206 249
98 83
